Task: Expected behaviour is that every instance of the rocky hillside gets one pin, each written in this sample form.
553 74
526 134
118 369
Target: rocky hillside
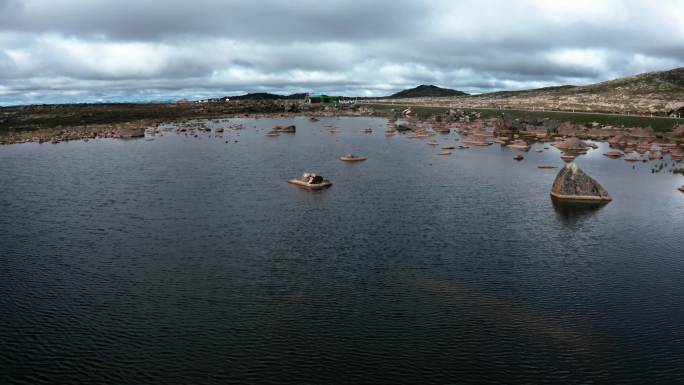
427 91
658 93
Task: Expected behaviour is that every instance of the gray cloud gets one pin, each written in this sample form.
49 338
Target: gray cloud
303 20
81 50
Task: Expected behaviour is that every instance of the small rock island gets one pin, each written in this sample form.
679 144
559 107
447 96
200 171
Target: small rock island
574 185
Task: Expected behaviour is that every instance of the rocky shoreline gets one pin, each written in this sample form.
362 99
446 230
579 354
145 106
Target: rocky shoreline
571 184
84 122
57 123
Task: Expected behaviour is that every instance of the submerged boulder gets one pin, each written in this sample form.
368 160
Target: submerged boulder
290 129
573 185
406 127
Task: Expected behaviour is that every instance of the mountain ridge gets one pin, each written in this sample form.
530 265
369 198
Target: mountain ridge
659 93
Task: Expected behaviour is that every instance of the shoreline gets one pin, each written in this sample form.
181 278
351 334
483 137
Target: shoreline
47 123
56 123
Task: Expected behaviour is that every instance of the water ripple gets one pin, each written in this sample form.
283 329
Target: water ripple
193 261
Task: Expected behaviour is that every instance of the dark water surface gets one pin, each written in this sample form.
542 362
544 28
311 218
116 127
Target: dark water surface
191 260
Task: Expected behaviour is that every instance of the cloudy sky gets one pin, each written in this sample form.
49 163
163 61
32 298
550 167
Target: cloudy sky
148 50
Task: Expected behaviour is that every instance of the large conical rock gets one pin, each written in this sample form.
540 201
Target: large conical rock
573 185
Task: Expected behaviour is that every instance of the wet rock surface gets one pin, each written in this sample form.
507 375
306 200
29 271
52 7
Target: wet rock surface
572 144
573 184
288 129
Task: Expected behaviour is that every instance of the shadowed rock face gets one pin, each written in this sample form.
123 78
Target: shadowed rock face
573 185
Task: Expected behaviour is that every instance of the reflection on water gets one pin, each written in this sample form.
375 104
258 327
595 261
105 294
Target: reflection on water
571 212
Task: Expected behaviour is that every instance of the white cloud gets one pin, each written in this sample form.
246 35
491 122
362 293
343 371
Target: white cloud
590 59
643 63
100 49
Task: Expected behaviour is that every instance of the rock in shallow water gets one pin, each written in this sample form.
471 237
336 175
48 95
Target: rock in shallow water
573 185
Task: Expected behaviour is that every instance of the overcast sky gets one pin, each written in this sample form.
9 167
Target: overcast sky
147 50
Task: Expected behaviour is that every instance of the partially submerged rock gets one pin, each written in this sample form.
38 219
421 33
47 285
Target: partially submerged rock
406 127
352 158
613 154
572 144
618 140
288 129
573 185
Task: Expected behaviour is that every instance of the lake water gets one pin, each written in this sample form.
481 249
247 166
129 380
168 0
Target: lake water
191 260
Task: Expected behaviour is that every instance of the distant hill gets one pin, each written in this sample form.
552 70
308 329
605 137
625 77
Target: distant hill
427 91
266 96
663 83
533 91
659 93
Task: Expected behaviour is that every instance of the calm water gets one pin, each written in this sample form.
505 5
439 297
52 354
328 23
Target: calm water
191 260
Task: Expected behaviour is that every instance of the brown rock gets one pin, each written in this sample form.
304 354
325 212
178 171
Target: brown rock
573 185
678 132
567 129
618 140
572 144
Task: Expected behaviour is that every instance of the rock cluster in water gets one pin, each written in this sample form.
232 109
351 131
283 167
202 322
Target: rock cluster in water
574 185
572 144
